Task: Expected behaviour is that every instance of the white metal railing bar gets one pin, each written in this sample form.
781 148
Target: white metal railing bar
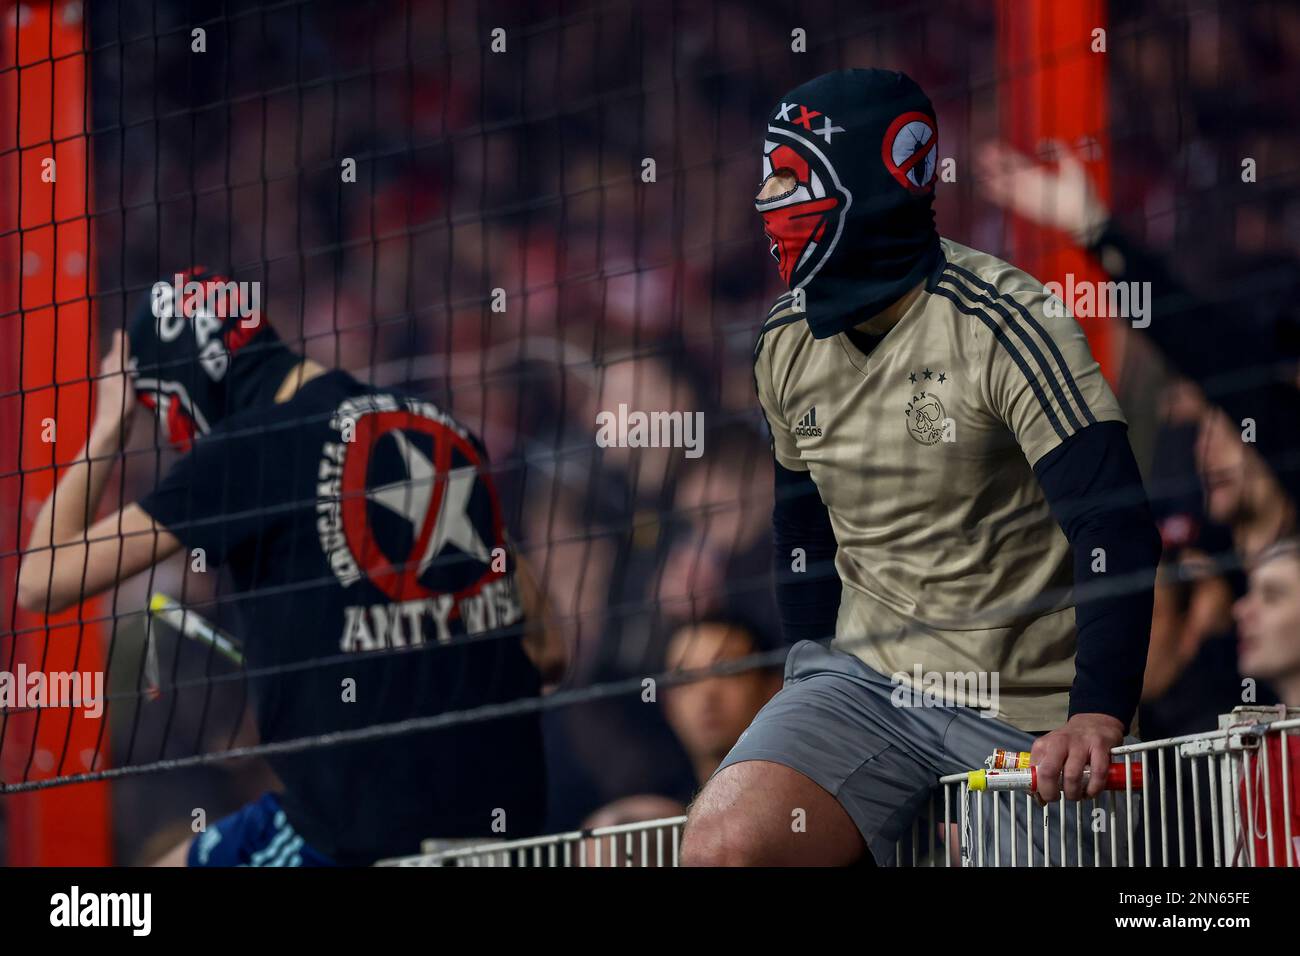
1230 772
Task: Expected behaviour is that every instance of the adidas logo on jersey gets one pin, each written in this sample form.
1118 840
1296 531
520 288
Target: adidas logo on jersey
808 427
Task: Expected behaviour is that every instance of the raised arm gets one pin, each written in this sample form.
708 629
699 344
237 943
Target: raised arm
66 561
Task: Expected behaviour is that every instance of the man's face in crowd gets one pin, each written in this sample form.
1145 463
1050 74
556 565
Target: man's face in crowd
709 715
1268 620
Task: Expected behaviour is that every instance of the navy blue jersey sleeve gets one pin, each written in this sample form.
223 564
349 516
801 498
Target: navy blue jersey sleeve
231 487
1092 484
808 599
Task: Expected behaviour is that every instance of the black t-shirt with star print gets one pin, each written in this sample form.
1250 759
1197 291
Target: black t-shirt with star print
372 583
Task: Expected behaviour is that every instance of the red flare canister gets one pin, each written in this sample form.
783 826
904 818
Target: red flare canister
1025 778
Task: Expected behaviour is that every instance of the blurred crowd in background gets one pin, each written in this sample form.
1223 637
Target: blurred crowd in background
522 171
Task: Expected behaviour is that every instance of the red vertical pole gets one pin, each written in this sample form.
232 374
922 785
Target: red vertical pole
1053 87
47 333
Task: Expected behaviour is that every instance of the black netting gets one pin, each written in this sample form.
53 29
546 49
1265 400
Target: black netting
476 229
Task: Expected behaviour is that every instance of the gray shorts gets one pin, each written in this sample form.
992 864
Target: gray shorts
834 722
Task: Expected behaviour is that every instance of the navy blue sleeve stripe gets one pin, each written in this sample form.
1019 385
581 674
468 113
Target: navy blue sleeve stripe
1052 347
774 324
1019 359
1041 360
782 301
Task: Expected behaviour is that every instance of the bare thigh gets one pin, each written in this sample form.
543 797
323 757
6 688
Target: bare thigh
760 813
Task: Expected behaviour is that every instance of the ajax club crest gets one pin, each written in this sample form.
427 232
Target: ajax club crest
926 418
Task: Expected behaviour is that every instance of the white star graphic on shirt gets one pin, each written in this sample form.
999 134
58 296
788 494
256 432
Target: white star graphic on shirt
404 498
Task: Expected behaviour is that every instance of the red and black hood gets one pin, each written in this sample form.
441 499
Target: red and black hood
857 230
198 354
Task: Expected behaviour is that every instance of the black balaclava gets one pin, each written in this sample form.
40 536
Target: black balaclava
857 231
199 357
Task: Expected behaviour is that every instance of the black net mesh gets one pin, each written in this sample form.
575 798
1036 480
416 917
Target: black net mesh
532 235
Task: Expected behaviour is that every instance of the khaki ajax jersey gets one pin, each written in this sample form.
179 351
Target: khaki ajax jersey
922 452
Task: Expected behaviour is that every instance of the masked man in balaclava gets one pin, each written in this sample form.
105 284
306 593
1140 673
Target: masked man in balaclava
371 581
957 506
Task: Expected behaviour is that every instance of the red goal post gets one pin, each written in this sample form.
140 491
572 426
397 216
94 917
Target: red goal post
48 355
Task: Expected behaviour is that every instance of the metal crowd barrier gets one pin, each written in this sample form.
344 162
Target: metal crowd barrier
654 843
1220 798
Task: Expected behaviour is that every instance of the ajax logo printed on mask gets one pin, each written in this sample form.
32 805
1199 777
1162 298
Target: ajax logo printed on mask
803 224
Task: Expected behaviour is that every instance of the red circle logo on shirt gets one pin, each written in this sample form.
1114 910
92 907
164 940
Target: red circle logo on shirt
429 486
